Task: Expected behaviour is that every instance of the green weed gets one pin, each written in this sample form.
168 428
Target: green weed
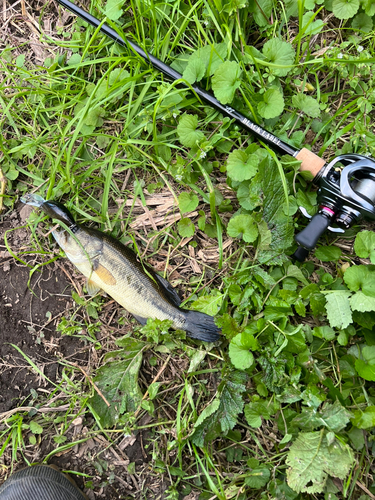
283 406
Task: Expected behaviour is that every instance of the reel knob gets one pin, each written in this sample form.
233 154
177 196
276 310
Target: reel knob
319 223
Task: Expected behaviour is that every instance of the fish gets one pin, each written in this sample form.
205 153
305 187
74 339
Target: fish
114 268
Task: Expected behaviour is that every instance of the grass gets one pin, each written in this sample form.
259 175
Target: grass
89 123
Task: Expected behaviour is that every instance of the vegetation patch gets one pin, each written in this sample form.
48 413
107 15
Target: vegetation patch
283 406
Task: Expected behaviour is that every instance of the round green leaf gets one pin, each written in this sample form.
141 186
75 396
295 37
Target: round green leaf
243 225
361 302
186 130
225 81
314 27
20 61
113 9
195 70
364 419
35 428
307 104
240 166
240 355
344 9
362 22
366 367
364 244
365 370
254 411
188 202
272 104
261 10
361 276
280 54
258 478
186 228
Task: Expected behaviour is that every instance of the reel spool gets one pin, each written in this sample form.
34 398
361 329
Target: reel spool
346 194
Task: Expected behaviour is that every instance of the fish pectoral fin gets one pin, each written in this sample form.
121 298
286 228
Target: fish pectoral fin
141 320
92 288
169 292
105 275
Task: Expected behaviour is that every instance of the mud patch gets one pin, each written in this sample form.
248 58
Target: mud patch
29 313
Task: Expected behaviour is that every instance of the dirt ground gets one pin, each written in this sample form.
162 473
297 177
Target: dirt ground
29 312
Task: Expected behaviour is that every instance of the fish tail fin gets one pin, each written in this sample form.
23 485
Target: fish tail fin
201 326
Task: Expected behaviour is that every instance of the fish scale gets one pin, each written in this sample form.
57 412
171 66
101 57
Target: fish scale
133 289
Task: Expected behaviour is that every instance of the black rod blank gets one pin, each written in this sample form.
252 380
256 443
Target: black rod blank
261 134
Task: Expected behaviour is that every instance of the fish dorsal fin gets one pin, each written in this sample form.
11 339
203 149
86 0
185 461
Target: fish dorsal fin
105 275
168 290
92 288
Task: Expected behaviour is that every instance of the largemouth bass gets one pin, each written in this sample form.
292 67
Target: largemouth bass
111 266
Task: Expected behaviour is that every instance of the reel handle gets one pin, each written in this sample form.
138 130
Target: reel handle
308 237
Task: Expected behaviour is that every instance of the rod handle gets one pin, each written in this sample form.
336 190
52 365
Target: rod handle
310 161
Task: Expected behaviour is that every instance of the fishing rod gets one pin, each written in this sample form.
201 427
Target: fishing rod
346 185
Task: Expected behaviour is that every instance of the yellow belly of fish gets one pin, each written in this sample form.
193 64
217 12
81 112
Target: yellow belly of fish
129 289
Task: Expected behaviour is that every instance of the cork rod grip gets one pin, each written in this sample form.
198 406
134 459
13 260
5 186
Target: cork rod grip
310 161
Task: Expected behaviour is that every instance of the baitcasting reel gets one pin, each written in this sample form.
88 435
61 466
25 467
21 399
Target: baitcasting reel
346 194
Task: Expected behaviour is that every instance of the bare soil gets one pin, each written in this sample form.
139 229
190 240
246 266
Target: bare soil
30 306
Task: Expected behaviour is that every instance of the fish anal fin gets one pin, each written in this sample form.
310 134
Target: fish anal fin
141 320
105 275
92 288
168 290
